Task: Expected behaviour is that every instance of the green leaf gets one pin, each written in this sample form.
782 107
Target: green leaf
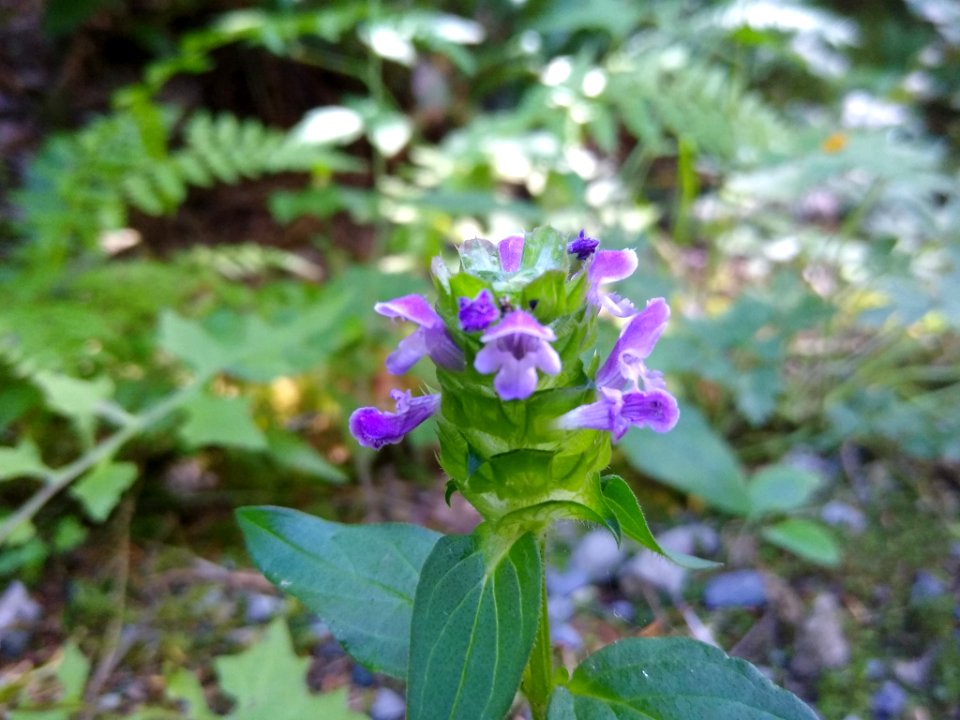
474 620
692 458
805 538
214 420
100 489
623 502
360 579
780 488
671 679
183 686
189 342
270 681
76 399
21 461
293 453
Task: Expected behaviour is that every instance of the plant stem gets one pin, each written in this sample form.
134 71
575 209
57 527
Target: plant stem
538 676
57 480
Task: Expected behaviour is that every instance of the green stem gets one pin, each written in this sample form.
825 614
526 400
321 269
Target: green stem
538 676
57 480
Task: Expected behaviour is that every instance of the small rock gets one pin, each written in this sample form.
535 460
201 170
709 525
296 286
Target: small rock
566 635
17 608
876 669
597 555
361 676
560 608
649 569
18 614
741 588
821 644
566 583
387 705
926 587
888 702
652 569
623 609
261 608
841 514
914 673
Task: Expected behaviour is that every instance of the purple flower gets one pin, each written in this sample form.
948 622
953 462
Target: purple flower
430 338
625 364
646 403
583 247
511 253
479 313
617 411
374 428
610 266
515 348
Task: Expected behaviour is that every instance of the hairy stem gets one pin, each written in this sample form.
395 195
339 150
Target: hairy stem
538 675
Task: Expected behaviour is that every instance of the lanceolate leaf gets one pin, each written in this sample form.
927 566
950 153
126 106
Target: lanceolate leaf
810 540
360 579
671 679
633 524
474 621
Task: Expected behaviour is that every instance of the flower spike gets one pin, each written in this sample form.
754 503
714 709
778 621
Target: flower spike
431 338
374 428
515 349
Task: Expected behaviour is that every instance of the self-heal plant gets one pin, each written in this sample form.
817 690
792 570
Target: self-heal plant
526 413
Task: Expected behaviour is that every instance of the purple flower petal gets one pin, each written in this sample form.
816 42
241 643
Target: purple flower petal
374 428
511 253
610 266
616 412
479 313
656 410
414 308
431 338
636 342
515 349
583 247
519 322
605 414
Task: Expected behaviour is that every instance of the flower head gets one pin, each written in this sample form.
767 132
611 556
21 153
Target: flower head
610 266
583 247
479 313
431 338
374 428
515 349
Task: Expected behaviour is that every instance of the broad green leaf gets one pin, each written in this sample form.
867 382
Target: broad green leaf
692 458
21 461
190 342
184 686
360 579
810 540
780 488
474 620
100 489
671 679
270 681
72 670
73 397
215 420
623 502
295 454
